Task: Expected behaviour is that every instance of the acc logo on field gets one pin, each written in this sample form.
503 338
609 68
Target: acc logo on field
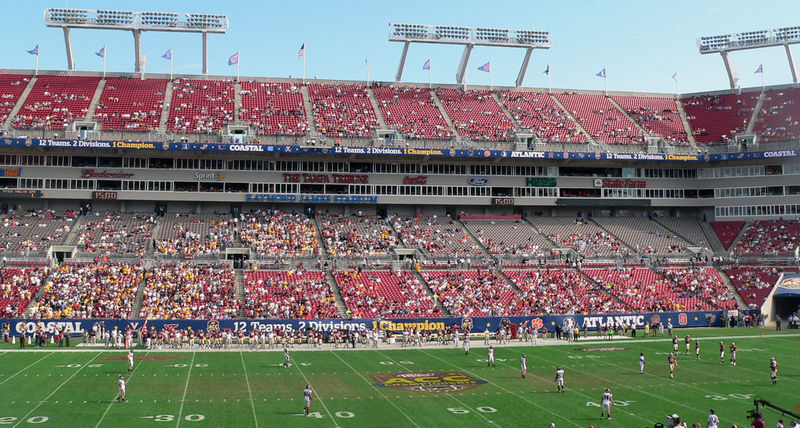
213 325
683 319
466 324
428 381
655 319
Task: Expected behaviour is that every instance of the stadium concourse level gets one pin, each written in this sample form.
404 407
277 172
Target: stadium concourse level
203 106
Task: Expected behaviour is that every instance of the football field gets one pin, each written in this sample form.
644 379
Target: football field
401 387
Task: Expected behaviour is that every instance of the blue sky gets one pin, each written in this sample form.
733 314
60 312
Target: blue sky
640 43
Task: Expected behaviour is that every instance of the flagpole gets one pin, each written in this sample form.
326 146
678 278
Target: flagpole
366 61
548 80
36 73
171 54
105 55
430 84
237 65
605 80
491 87
304 63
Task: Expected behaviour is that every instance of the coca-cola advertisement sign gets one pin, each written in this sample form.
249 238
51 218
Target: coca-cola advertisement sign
91 173
419 179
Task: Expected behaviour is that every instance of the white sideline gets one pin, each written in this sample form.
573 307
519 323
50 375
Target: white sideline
26 368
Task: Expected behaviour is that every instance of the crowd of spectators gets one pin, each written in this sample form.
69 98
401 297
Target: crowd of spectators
56 101
658 116
474 293
130 104
779 118
769 238
705 283
601 119
356 235
754 283
189 291
90 290
561 291
476 114
717 118
18 286
193 235
438 237
374 294
581 235
279 234
273 108
507 237
342 110
413 111
11 88
644 290
30 232
537 112
288 294
201 106
117 233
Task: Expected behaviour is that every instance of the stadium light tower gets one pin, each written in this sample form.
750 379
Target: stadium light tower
136 22
469 38
751 40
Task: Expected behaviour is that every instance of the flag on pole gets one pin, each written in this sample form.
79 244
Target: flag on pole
675 76
602 73
34 51
101 53
760 69
485 67
302 51
427 65
547 70
234 59
167 54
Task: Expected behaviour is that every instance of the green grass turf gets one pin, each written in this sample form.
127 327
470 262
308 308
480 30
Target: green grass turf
251 388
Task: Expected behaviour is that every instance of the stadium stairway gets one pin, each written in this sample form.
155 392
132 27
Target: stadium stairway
238 275
444 113
237 101
95 99
732 288
672 231
751 125
162 124
312 121
74 229
334 287
600 287
680 287
713 239
137 304
578 124
503 107
631 249
739 237
686 127
375 108
542 234
430 292
625 113
20 102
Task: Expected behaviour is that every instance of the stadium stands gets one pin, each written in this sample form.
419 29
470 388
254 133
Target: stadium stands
55 101
189 291
644 290
657 115
727 231
413 111
704 282
130 104
18 286
273 108
201 106
688 228
356 236
507 236
643 235
601 119
90 290
769 237
581 235
715 118
32 232
374 294
190 235
561 291
435 236
11 88
476 114
779 118
118 233
474 293
279 234
288 294
342 110
537 112
754 283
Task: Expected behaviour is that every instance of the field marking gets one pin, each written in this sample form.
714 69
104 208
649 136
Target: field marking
318 396
507 391
185 388
377 390
112 399
642 391
57 388
26 368
250 391
448 395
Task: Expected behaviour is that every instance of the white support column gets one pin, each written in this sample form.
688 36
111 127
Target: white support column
68 43
137 49
205 53
791 63
462 66
399 76
524 67
729 67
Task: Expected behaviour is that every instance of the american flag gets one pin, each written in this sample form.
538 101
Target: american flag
302 51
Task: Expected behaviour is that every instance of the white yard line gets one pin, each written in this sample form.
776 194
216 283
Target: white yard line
112 399
377 390
26 368
185 388
507 391
56 390
491 422
317 394
250 391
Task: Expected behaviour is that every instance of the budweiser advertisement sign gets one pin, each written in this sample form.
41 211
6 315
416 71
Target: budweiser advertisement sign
419 179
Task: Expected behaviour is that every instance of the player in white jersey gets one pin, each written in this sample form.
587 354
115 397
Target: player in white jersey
455 339
466 343
713 420
523 362
641 362
490 362
308 398
287 359
560 379
121 388
606 403
130 361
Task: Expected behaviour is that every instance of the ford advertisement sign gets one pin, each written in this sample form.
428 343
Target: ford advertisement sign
478 181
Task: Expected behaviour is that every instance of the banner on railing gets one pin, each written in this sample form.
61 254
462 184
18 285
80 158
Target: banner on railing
396 325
